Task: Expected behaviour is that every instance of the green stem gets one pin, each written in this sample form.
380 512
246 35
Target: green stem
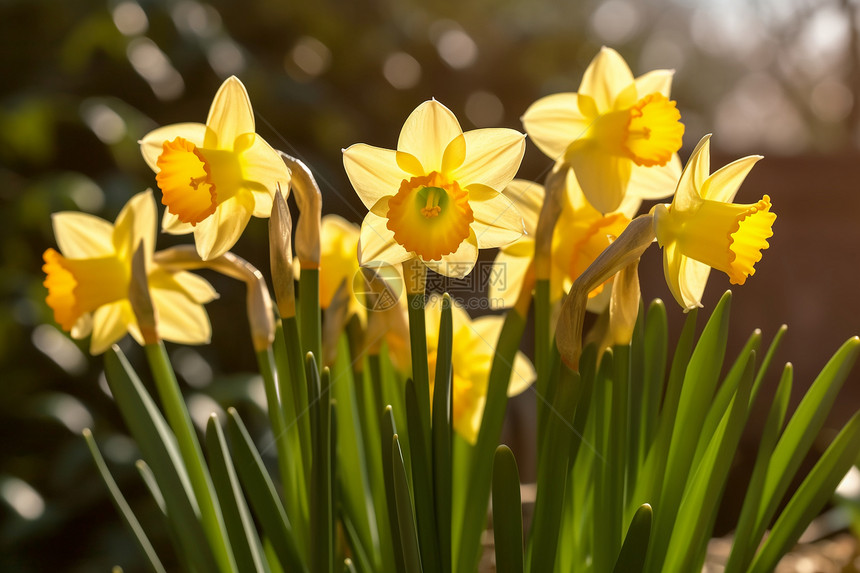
420 371
309 313
299 390
192 454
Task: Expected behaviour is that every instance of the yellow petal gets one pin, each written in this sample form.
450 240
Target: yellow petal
136 223
152 143
229 116
602 176
693 177
522 376
171 224
409 163
528 197
194 286
459 263
110 323
497 221
605 78
377 243
180 319
427 132
723 184
506 278
493 156
686 277
83 327
82 236
373 172
659 81
217 234
554 122
655 182
263 173
455 154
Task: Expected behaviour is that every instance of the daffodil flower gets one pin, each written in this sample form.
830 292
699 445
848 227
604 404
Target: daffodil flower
617 132
437 196
88 280
471 359
213 177
703 229
339 262
580 235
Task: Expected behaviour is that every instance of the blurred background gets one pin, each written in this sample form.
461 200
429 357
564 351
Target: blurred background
83 80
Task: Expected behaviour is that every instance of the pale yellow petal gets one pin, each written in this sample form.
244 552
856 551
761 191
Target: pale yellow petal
196 287
694 278
695 173
377 243
655 182
554 122
152 144
427 132
655 81
459 263
506 278
522 376
217 234
82 236
229 116
497 221
171 225
603 177
493 156
136 223
723 184
605 78
263 173
180 319
528 197
409 163
373 172
110 323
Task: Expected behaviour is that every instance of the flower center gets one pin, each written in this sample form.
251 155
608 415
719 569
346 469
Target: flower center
593 241
654 131
78 286
185 180
430 215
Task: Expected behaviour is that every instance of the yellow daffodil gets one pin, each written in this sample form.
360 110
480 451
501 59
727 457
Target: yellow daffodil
437 196
88 280
616 132
213 177
580 235
471 359
703 229
339 262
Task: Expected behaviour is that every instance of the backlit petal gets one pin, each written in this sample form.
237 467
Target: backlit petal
373 172
82 236
377 243
695 173
493 156
230 115
522 376
263 172
723 184
659 81
554 122
497 221
171 224
602 176
110 323
195 286
605 78
528 197
217 234
152 143
655 182
427 132
180 319
506 278
136 223
459 263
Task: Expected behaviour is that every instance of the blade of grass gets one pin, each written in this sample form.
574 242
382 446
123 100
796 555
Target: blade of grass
240 525
122 506
262 495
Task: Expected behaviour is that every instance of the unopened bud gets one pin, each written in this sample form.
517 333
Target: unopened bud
309 199
140 299
281 256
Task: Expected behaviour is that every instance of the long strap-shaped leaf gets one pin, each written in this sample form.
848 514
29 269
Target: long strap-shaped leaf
507 513
631 559
405 515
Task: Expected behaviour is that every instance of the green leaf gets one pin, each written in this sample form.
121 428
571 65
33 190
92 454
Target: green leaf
420 370
240 525
745 540
122 506
631 559
405 516
810 497
442 435
768 358
802 429
388 430
309 316
654 372
322 548
158 445
262 495
507 513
